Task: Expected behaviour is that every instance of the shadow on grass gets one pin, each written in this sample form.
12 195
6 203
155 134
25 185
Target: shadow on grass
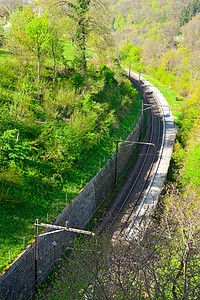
3 52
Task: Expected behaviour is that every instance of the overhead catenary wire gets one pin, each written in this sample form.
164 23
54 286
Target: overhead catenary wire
146 155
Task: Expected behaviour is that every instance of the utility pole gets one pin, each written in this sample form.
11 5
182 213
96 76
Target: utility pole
116 156
58 229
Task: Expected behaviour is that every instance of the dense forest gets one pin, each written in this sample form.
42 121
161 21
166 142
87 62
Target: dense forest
65 100
161 38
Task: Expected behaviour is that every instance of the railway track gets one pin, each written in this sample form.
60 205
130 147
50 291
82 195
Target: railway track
128 196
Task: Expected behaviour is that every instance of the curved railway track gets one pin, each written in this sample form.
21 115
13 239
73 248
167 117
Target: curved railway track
119 213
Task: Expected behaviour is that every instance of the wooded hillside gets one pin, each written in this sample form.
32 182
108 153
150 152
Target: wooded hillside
65 101
161 38
62 110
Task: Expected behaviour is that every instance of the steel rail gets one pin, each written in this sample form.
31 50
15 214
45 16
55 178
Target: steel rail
156 168
134 184
144 184
150 169
142 91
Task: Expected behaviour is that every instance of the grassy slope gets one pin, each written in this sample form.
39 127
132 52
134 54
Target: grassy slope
175 106
21 217
17 218
169 95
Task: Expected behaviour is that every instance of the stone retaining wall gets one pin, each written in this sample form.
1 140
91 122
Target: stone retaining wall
19 280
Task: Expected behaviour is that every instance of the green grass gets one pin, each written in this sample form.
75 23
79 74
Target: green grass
18 218
170 95
17 221
109 197
3 53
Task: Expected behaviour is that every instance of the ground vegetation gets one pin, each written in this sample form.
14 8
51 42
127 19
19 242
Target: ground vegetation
54 124
161 39
58 123
166 46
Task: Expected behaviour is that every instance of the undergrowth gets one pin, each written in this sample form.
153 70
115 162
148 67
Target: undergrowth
54 138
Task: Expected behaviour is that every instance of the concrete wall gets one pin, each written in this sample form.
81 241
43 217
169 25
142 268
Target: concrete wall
19 280
148 204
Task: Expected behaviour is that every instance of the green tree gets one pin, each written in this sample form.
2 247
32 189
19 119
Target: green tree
29 33
15 35
60 29
86 24
38 36
81 9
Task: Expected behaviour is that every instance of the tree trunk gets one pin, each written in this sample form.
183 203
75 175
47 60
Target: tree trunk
54 62
80 35
38 75
80 57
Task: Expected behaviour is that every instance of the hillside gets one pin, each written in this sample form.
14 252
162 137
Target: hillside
65 101
60 117
161 38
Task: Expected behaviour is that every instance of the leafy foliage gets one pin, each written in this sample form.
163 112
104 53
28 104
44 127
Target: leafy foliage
57 124
52 134
166 46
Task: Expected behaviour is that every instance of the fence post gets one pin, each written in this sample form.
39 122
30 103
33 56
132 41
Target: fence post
9 256
116 163
129 69
36 257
